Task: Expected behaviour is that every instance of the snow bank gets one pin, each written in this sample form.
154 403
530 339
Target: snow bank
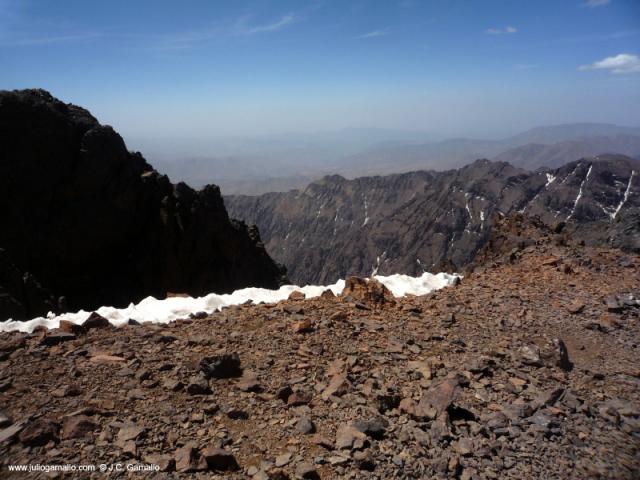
164 311
401 285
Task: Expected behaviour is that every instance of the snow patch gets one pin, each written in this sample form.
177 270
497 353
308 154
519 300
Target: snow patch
374 270
550 180
626 195
575 204
401 285
164 311
366 214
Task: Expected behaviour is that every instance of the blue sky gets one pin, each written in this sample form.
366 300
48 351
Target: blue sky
212 68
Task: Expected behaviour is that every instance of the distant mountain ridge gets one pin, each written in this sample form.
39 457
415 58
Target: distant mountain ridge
428 221
287 162
549 146
562 132
536 155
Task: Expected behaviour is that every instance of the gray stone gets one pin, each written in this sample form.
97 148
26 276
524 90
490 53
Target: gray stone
305 426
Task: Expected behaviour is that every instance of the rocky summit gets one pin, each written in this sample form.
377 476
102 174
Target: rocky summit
87 223
433 221
527 368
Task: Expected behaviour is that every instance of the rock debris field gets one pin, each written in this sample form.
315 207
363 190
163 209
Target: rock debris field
528 368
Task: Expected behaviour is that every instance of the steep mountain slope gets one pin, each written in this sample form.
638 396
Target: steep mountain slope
96 224
535 155
418 221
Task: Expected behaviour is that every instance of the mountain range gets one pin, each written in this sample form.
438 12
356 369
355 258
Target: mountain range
550 146
87 223
293 161
429 221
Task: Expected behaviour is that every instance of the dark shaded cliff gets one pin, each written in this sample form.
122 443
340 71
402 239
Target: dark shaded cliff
94 223
427 220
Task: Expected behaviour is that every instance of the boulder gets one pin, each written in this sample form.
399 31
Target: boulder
187 460
95 320
39 432
555 354
198 385
367 290
219 459
296 295
79 426
221 366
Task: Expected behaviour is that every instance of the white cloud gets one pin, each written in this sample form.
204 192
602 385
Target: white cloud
375 33
242 28
618 64
596 3
499 31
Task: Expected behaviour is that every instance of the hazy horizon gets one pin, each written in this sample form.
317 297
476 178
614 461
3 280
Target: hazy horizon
158 70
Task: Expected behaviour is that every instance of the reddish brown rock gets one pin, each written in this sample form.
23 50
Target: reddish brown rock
296 295
302 326
39 432
70 327
95 320
299 398
338 386
79 426
367 290
188 460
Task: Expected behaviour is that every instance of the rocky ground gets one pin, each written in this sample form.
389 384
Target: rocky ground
529 368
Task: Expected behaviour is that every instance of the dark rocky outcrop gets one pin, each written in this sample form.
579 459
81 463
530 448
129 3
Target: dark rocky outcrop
20 292
433 221
96 224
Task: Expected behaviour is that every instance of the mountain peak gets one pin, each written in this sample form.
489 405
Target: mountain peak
93 224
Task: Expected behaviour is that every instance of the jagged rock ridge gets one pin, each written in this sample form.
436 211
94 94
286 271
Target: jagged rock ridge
426 220
94 223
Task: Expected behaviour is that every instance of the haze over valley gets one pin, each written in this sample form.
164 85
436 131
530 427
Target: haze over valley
295 160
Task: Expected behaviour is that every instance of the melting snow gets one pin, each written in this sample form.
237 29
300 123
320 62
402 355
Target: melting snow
374 270
366 215
401 285
164 311
550 180
575 204
626 195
